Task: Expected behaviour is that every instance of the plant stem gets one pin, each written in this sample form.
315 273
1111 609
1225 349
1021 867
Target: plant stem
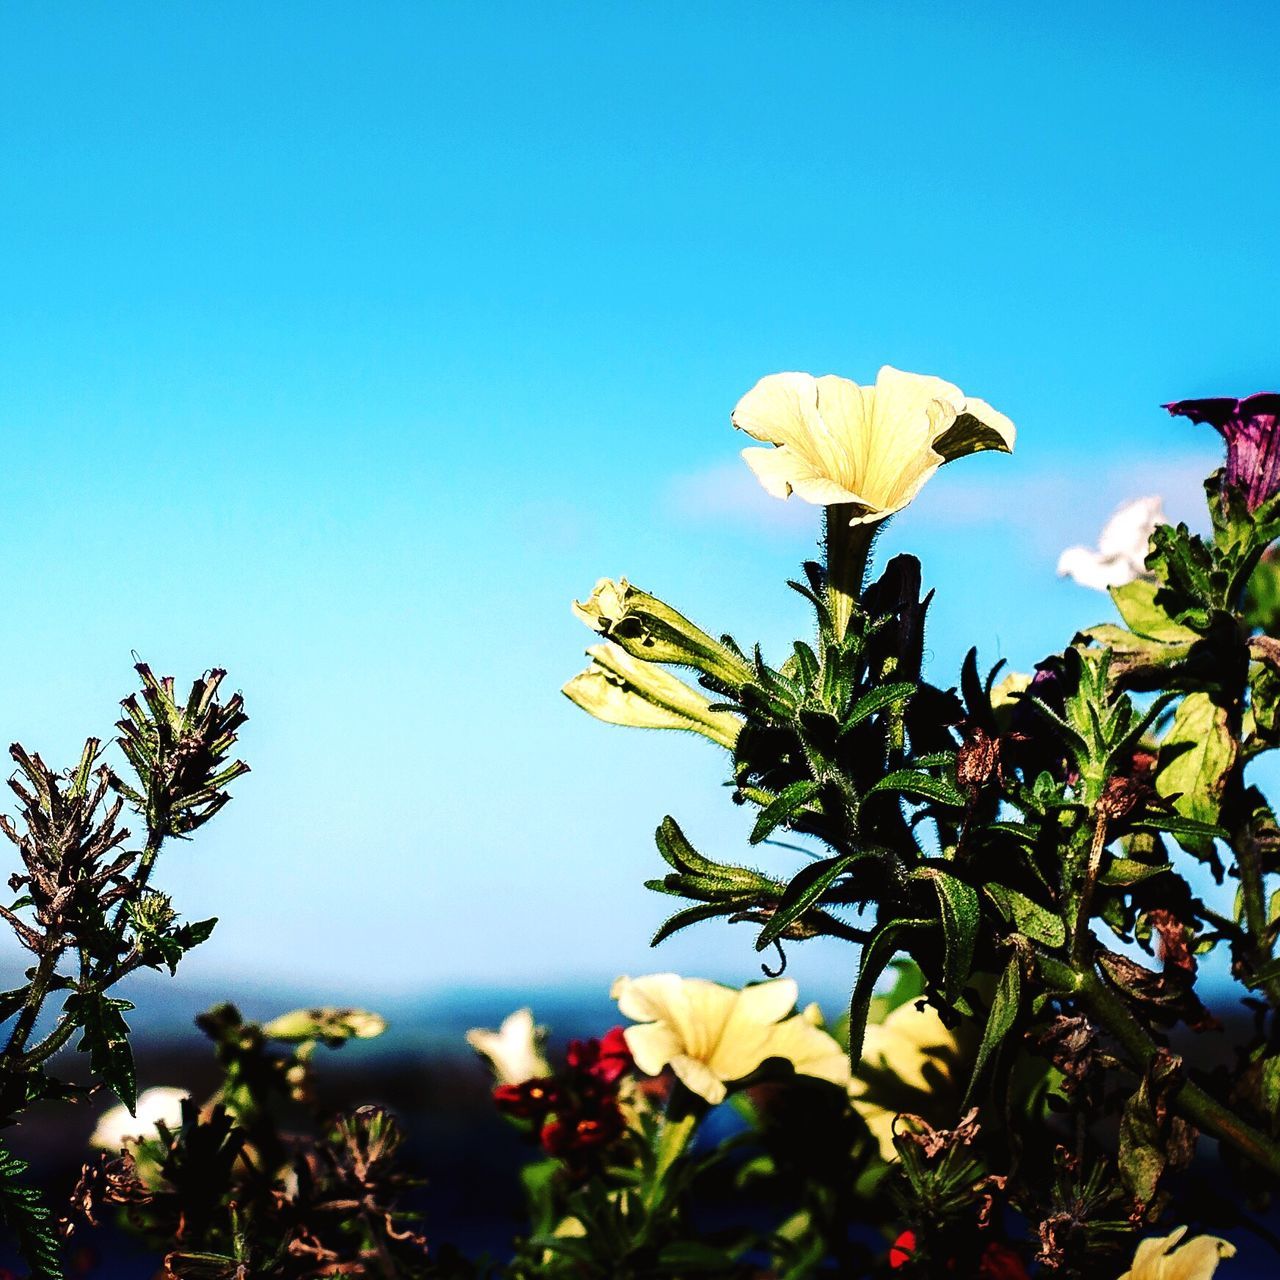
847 547
1194 1104
36 994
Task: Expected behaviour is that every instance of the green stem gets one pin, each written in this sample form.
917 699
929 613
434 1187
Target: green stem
36 993
1194 1104
847 547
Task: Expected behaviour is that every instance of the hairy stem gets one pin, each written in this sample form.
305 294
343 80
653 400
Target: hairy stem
847 546
1106 1008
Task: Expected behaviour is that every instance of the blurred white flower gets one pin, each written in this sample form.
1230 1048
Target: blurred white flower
514 1050
710 1035
116 1126
1197 1259
1122 547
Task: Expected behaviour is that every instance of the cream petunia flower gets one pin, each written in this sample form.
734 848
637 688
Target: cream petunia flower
711 1035
914 1048
514 1050
1163 1259
1122 549
116 1127
868 448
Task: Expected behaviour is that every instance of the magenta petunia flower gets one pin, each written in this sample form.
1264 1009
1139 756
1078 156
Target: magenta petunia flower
1251 428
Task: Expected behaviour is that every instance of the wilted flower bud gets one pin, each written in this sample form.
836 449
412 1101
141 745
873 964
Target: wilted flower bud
651 630
620 689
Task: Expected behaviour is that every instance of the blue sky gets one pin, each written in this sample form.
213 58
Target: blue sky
343 345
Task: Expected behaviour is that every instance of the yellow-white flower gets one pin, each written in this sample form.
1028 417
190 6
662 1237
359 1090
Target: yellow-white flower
911 1051
514 1050
711 1035
869 449
116 1127
620 689
1167 1259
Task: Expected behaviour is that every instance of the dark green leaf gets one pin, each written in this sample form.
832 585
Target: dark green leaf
106 1039
920 786
1026 916
876 700
961 912
883 945
25 1214
804 891
690 915
789 801
1000 1021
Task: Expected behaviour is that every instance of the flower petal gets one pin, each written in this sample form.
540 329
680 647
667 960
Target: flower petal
781 408
653 1045
810 1050
783 471
699 1078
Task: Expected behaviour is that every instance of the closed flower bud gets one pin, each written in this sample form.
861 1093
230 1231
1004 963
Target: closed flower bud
651 630
620 689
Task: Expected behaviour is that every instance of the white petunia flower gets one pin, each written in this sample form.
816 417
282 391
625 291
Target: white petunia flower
514 1051
1122 547
870 449
1170 1259
711 1035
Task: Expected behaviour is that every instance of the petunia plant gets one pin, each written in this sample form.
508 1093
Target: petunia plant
1042 848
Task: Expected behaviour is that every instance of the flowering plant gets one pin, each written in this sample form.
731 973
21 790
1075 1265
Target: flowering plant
1029 1078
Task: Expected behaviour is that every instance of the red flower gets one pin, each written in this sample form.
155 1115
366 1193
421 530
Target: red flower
573 1134
530 1100
902 1250
999 1262
606 1060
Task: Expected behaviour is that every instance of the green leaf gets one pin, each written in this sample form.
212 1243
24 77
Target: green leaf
806 888
1176 825
920 786
1123 872
876 700
1136 602
1196 757
678 852
788 802
691 915
961 912
1026 916
883 945
25 1214
106 1039
1005 1005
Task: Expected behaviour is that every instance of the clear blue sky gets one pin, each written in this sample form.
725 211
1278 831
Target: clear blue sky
342 345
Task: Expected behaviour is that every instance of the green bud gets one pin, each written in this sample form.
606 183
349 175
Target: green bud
619 689
649 629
